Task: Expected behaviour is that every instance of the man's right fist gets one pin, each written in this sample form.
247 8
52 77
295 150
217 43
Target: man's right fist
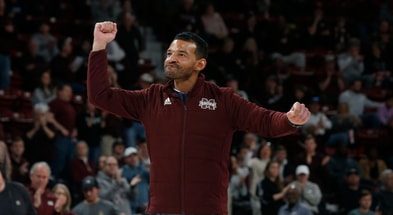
104 33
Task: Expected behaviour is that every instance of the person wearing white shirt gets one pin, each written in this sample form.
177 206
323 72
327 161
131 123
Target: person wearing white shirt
358 102
318 123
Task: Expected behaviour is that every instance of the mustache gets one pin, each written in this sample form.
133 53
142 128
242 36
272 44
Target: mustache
172 64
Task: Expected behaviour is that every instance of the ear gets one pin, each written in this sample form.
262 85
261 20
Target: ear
200 64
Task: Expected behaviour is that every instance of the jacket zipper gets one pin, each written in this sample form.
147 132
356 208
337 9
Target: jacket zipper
182 180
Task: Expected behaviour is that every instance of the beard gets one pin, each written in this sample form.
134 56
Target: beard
174 72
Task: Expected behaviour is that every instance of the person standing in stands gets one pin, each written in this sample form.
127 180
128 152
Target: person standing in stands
14 198
189 123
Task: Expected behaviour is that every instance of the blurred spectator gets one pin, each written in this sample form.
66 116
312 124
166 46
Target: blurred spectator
242 158
365 201
310 193
92 203
330 82
134 168
116 56
358 101
350 62
14 199
286 168
293 204
45 91
89 126
118 149
319 124
214 27
104 10
385 113
8 40
344 125
186 18
81 166
64 66
385 11
42 135
130 39
43 199
63 199
30 65
385 194
272 97
5 160
341 34
115 188
377 68
47 47
233 83
351 188
338 165
257 167
319 35
20 165
315 160
252 28
224 62
241 201
112 131
271 189
101 163
65 113
372 166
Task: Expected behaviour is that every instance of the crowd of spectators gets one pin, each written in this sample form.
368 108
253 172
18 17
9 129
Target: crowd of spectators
332 55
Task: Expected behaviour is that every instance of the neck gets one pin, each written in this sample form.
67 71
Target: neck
185 86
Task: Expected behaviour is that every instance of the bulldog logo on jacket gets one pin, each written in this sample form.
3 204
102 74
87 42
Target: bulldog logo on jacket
210 104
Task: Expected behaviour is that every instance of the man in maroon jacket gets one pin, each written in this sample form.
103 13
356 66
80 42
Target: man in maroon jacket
189 124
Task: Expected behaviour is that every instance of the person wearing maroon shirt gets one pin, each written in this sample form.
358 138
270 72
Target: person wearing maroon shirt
81 166
43 199
189 124
66 115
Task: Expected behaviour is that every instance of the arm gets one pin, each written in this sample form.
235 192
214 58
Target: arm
129 104
313 197
250 117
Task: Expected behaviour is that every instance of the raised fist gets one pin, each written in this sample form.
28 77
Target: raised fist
104 33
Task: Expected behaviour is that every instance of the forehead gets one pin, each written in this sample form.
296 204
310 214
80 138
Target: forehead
41 171
181 45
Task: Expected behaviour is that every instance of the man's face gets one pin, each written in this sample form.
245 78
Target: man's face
18 147
310 145
181 60
353 179
91 195
111 166
66 93
281 155
39 178
365 202
388 183
302 178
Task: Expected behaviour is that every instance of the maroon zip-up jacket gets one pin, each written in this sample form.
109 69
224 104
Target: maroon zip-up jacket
188 142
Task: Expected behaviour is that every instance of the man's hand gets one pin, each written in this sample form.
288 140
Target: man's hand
104 33
299 114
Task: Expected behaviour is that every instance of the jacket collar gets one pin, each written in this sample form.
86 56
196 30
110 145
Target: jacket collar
168 87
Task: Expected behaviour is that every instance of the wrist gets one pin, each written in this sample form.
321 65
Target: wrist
293 125
97 46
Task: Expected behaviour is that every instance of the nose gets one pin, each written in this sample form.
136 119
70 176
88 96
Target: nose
171 58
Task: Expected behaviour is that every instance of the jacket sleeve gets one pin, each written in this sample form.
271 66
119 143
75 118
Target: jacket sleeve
247 116
125 103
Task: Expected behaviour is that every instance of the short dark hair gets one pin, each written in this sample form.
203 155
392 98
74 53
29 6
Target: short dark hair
364 193
201 44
